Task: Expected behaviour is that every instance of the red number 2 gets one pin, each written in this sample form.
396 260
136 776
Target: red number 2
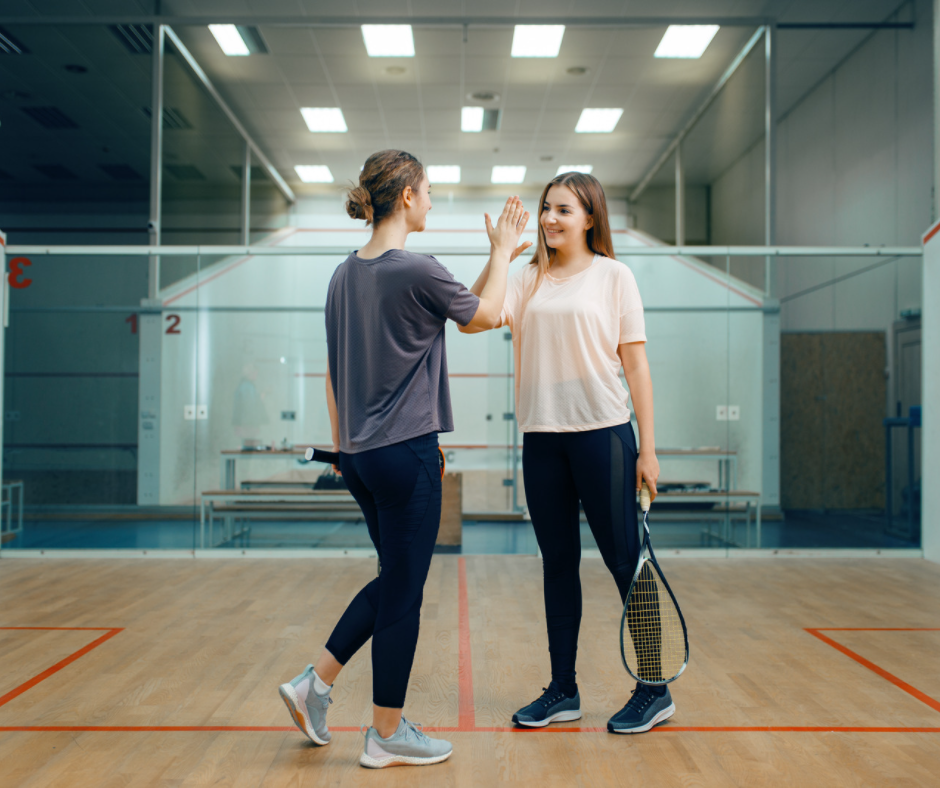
173 328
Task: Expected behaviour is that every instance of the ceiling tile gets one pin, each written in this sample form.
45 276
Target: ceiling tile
302 70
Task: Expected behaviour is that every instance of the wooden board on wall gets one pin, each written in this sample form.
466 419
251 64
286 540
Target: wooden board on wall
832 395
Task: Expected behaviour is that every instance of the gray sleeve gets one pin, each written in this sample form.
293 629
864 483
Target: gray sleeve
444 296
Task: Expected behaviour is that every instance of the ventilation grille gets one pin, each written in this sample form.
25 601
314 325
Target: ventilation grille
253 40
9 45
172 118
137 39
50 117
55 172
120 172
185 172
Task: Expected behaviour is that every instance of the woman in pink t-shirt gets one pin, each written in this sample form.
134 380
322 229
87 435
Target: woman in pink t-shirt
576 318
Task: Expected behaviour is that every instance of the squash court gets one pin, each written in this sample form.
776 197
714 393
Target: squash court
179 687
732 221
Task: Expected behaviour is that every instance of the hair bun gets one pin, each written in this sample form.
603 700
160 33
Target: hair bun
359 204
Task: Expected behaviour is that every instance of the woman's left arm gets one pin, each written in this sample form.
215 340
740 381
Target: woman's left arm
636 368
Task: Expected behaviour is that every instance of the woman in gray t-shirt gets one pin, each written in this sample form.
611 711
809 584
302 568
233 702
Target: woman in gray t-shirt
388 397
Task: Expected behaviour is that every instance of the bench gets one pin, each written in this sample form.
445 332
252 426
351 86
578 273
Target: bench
238 505
11 491
725 502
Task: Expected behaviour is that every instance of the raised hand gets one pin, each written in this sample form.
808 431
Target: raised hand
510 226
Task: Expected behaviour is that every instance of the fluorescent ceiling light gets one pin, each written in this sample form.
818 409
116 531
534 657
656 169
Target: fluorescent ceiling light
388 40
537 40
598 121
688 41
444 173
507 175
229 39
585 168
324 118
314 173
471 119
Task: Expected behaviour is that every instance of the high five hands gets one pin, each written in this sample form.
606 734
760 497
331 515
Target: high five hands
509 228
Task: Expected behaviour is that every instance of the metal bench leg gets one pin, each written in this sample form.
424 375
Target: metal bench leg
758 523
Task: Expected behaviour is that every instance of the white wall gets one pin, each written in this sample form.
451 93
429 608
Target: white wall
853 167
698 360
930 431
655 213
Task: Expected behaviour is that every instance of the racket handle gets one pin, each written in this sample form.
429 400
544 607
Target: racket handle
316 455
645 497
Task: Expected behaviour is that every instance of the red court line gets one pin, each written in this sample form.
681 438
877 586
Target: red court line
720 729
913 691
642 239
466 715
289 728
931 233
225 270
208 279
110 632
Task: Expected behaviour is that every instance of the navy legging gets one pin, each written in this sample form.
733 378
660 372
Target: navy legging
597 468
398 488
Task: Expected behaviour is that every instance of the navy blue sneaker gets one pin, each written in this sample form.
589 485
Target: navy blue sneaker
645 709
553 706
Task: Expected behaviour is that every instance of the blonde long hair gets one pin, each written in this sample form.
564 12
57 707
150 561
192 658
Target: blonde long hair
591 195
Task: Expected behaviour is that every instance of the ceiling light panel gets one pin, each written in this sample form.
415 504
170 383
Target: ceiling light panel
598 121
324 119
507 174
686 41
585 168
444 173
537 40
230 40
388 40
314 173
471 119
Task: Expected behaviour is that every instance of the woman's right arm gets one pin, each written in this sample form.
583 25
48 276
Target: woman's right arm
334 413
491 284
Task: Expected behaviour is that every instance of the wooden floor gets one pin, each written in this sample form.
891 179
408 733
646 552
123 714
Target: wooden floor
803 672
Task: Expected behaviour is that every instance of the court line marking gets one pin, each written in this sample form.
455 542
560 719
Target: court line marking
345 729
466 710
913 691
110 632
465 701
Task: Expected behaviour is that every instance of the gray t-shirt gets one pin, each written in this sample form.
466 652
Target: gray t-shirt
385 340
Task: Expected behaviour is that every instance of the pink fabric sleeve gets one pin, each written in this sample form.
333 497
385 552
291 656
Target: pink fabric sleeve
513 302
632 322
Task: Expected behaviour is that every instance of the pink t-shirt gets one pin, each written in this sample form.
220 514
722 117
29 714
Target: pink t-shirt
567 366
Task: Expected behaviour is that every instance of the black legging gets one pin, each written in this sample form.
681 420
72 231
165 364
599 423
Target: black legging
597 468
398 488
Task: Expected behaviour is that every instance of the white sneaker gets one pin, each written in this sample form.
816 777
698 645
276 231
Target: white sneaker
408 746
307 709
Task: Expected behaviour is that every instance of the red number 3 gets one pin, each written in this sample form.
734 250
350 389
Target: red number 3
16 271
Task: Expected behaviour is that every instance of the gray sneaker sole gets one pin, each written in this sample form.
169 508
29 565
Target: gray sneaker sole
298 713
561 716
401 760
664 715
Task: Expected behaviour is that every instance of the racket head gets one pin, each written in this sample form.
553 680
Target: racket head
654 642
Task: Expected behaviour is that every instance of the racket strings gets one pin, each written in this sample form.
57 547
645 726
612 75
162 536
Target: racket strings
656 648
